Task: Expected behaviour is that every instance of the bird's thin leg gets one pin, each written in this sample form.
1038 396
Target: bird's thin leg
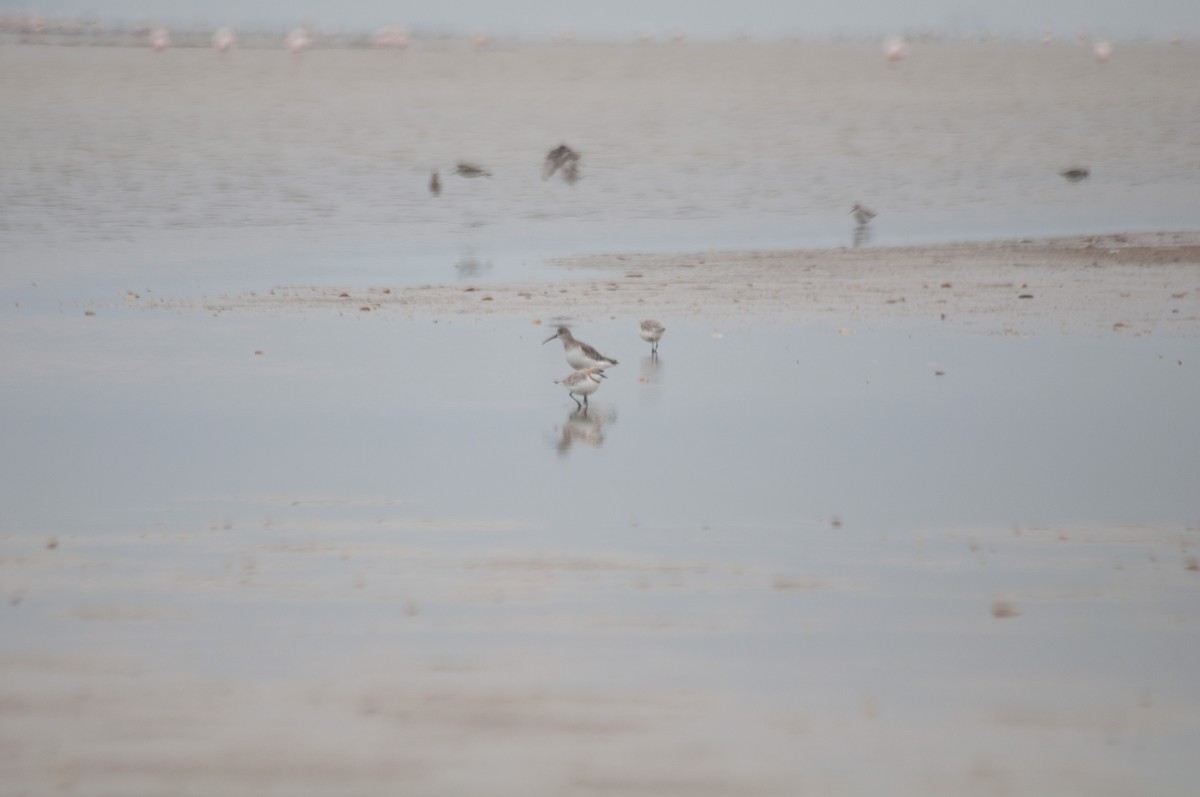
577 404
585 401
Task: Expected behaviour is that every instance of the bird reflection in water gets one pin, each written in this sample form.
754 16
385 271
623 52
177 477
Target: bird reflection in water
583 427
650 378
862 235
470 267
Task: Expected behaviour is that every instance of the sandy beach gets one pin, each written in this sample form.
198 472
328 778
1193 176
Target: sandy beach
340 642
292 501
1140 283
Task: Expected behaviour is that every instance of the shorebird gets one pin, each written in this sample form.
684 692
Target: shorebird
435 184
584 382
862 215
392 36
160 38
895 49
651 332
580 355
298 40
1075 173
464 169
561 157
223 40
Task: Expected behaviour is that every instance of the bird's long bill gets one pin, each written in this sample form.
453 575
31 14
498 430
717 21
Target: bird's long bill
552 337
602 375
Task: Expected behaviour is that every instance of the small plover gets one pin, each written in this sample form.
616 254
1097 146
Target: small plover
652 332
584 382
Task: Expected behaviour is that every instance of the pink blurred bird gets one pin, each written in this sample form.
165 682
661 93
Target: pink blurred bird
393 36
223 40
895 49
159 39
298 40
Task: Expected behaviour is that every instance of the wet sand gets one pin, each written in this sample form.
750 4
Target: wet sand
340 646
1138 283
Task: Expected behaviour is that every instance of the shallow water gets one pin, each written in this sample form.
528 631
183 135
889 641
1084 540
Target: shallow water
779 425
766 537
263 167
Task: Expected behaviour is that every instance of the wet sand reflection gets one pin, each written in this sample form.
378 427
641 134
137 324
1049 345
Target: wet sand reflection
650 377
584 426
862 235
471 266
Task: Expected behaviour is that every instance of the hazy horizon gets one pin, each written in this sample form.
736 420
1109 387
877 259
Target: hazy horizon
624 18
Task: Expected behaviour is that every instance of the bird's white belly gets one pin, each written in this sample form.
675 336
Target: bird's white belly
585 387
578 360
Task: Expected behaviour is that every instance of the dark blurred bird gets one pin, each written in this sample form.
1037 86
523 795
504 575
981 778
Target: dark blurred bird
861 214
561 157
435 184
465 169
1075 173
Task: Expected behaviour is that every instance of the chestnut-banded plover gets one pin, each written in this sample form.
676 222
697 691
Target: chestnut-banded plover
580 355
652 332
584 382
861 214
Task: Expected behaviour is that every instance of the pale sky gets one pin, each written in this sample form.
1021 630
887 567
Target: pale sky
621 18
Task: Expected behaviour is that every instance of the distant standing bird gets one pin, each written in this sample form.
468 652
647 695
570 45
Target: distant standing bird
392 36
223 40
465 169
652 332
1075 173
579 354
895 49
862 215
583 382
160 38
298 40
1103 51
435 184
